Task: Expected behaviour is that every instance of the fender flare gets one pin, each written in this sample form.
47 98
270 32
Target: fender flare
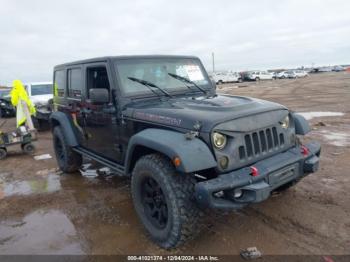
66 123
194 154
302 126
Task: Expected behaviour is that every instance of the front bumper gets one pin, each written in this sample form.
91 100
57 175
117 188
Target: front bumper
274 172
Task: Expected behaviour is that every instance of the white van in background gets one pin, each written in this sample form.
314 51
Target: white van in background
260 75
226 77
41 95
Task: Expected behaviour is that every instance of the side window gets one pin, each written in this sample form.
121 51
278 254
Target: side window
97 77
59 83
75 83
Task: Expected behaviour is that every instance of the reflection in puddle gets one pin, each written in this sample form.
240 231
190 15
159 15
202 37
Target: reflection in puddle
41 232
48 185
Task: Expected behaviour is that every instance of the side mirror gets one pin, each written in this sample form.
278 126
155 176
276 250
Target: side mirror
99 95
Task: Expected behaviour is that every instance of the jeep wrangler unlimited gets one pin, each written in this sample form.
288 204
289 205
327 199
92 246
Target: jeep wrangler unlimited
159 120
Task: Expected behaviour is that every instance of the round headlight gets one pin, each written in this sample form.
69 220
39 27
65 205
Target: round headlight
285 122
219 140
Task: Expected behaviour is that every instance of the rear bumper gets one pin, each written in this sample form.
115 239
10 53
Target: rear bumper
43 115
274 172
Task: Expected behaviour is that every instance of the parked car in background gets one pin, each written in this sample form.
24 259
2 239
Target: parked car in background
286 74
226 77
338 68
41 95
259 75
300 73
274 75
6 108
324 69
282 75
5 92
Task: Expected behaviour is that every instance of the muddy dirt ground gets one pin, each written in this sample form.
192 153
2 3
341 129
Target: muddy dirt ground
45 212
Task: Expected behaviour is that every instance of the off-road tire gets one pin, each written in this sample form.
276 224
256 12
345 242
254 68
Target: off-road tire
28 148
3 153
68 160
182 212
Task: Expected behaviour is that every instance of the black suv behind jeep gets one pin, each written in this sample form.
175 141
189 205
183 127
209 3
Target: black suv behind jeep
158 120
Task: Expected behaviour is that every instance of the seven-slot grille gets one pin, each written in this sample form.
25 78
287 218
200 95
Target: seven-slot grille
260 142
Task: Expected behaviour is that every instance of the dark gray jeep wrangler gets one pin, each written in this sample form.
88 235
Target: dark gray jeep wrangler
159 120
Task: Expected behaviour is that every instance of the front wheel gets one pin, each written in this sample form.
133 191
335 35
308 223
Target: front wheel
68 160
164 201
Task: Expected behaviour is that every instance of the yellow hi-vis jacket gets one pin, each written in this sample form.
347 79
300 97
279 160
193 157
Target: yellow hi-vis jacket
18 94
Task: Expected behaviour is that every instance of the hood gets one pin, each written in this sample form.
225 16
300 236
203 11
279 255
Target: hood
185 112
41 99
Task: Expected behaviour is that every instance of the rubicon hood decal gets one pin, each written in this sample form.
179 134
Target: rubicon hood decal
158 118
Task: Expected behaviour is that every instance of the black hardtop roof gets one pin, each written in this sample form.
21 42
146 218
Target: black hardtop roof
106 58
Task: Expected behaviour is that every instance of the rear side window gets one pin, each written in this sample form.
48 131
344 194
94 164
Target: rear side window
59 83
75 83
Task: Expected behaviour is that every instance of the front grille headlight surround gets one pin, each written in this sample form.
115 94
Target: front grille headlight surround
285 122
219 140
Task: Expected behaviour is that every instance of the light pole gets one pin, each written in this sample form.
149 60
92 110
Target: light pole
213 59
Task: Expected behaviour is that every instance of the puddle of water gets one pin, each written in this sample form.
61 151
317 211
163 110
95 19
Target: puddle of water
310 115
23 188
41 232
336 138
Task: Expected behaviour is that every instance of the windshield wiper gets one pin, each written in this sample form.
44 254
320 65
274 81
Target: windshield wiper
185 80
149 85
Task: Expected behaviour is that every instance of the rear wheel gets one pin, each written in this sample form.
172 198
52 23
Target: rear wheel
3 153
68 160
28 148
164 201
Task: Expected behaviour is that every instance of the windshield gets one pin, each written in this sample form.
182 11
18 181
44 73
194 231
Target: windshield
4 93
156 71
41 90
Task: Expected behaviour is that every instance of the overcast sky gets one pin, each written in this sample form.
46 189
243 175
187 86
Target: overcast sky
36 35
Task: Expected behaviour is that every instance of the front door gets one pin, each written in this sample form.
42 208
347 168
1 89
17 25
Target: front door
101 120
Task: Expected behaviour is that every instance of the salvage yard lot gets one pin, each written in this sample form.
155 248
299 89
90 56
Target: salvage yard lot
43 211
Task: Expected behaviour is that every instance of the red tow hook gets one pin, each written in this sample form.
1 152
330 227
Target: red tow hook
254 171
304 150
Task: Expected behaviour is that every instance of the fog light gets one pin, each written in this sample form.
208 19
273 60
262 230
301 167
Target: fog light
223 162
238 193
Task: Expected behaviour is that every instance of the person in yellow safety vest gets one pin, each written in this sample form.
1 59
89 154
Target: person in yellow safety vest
18 94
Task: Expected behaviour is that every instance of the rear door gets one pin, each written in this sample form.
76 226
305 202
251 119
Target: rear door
75 99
